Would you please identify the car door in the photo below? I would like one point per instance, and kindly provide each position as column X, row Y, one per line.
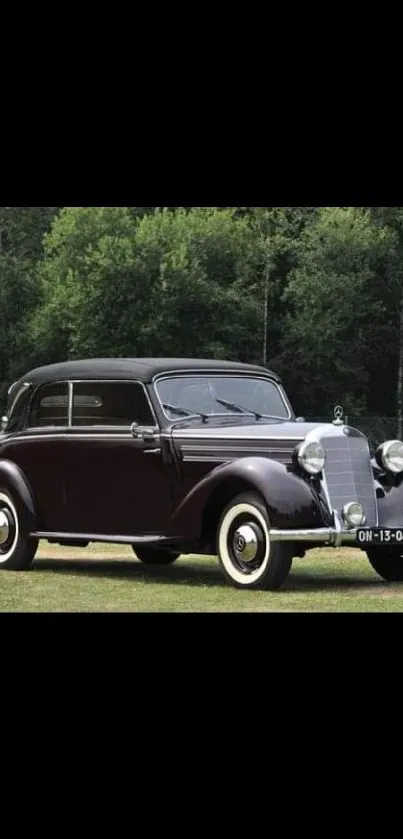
column 115, row 483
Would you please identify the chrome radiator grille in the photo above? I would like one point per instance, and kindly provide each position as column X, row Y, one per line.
column 348, row 473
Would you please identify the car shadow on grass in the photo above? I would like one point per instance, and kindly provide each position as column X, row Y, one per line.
column 128, row 569
column 186, row 572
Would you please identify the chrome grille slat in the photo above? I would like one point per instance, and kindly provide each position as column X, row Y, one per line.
column 348, row 473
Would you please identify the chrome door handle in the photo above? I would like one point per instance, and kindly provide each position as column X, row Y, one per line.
column 148, row 435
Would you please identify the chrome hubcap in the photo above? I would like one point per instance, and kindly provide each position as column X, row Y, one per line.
column 4, row 528
column 245, row 543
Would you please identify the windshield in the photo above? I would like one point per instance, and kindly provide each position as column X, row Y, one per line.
column 212, row 395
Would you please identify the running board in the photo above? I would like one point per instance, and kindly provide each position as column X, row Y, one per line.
column 104, row 537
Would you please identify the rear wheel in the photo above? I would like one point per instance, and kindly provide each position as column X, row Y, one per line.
column 247, row 556
column 16, row 549
column 388, row 565
column 152, row 556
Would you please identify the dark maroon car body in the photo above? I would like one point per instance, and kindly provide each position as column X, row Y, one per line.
column 148, row 475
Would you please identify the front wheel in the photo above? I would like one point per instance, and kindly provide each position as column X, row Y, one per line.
column 247, row 556
column 16, row 549
column 152, row 556
column 388, row 565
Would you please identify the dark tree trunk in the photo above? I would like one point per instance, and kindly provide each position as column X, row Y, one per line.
column 265, row 314
column 399, row 395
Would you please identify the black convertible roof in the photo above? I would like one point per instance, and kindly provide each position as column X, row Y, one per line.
column 143, row 369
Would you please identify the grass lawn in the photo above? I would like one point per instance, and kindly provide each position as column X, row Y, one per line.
column 105, row 578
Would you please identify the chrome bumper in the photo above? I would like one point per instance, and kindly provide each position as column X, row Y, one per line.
column 334, row 536
column 328, row 535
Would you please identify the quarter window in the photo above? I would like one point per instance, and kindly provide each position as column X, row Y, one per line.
column 50, row 406
column 110, row 403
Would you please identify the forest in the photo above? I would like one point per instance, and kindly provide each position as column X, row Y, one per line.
column 314, row 293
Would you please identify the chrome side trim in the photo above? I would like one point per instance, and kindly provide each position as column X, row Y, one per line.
column 124, row 432
column 191, row 434
column 65, row 434
column 189, row 449
column 222, row 458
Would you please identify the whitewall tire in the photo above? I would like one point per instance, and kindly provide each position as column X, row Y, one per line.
column 247, row 556
column 16, row 550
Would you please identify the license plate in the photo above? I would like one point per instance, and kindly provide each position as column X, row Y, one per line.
column 380, row 536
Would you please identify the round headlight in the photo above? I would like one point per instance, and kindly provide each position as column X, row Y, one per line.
column 390, row 456
column 311, row 457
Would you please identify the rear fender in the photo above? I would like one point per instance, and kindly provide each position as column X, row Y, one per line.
column 14, row 483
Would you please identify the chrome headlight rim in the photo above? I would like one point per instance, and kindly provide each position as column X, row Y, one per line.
column 311, row 457
column 387, row 458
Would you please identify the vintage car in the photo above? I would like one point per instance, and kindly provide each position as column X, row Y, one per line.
column 180, row 456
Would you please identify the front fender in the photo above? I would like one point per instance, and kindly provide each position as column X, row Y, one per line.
column 290, row 501
column 13, row 482
column 390, row 508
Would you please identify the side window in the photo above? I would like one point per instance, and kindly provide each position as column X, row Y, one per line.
column 110, row 403
column 50, row 406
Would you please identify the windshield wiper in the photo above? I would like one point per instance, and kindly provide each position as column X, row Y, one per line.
column 183, row 412
column 238, row 408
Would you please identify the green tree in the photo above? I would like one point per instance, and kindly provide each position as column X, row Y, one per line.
column 202, row 265
column 21, row 235
column 334, row 328
column 277, row 231
column 172, row 282
column 22, row 230
column 88, row 260
column 390, row 289
column 18, row 297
